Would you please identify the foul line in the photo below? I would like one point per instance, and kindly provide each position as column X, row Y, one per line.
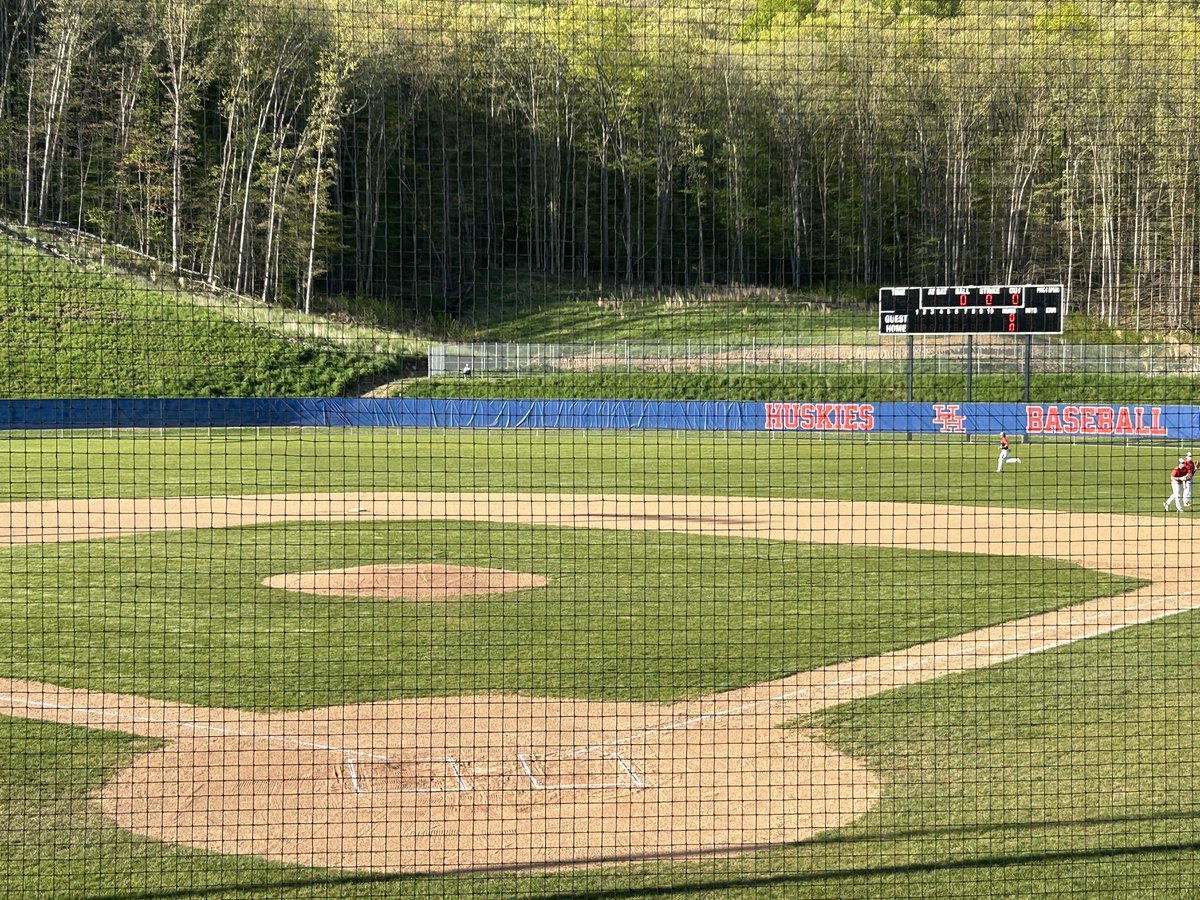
column 864, row 677
column 111, row 714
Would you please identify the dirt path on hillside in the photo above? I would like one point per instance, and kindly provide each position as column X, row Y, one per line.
column 463, row 783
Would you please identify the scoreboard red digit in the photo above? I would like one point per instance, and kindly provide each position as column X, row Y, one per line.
column 973, row 309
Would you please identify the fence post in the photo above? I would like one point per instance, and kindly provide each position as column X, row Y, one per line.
column 909, row 436
column 970, row 363
column 1028, row 364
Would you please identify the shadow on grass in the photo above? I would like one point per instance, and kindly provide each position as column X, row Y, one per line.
column 748, row 881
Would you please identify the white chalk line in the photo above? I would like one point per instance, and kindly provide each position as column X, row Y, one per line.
column 978, row 649
column 730, row 712
column 118, row 716
column 458, row 782
column 635, row 781
column 450, row 762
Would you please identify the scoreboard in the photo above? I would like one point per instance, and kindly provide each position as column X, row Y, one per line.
column 974, row 309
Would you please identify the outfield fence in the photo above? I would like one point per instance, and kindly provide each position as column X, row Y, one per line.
column 1136, row 422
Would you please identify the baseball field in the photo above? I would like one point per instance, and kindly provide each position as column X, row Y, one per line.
column 345, row 663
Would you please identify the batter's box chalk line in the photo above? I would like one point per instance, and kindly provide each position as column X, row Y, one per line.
column 548, row 773
column 539, row 772
column 439, row 775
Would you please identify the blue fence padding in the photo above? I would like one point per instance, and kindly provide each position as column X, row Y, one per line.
column 1099, row 420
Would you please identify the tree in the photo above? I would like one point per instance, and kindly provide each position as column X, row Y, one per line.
column 183, row 29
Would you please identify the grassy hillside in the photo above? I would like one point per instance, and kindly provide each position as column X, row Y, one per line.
column 78, row 320
column 67, row 331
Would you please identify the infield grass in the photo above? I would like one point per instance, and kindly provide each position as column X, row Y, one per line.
column 1069, row 773
column 625, row 615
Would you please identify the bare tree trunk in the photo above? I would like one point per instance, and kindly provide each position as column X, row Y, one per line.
column 239, row 279
column 181, row 24
column 22, row 19
column 27, row 186
column 67, row 28
column 313, row 221
column 737, row 214
column 270, row 255
column 226, row 176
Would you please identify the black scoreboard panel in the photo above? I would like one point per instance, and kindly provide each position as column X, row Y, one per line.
column 973, row 309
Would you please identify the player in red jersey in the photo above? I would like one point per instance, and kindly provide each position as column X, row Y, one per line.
column 1178, row 479
column 1004, row 453
column 1190, row 465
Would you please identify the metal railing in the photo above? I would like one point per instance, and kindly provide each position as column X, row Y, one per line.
column 940, row 355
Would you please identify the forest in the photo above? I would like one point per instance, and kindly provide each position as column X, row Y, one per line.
column 424, row 151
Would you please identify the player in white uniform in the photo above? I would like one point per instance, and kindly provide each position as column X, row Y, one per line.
column 1004, row 453
column 1178, row 479
column 1190, row 465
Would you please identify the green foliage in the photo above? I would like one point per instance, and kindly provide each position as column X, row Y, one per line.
column 440, row 146
column 66, row 332
column 828, row 386
column 764, row 16
column 1065, row 21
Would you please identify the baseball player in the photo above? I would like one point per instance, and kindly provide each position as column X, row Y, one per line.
column 1004, row 453
column 1178, row 479
column 1190, row 465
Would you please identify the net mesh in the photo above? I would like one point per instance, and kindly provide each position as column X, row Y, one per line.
column 513, row 448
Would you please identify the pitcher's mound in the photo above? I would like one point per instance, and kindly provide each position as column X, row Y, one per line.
column 411, row 581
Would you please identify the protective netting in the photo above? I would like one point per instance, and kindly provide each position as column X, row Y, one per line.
column 598, row 448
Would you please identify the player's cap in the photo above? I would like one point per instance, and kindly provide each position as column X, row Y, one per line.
column 1189, row 454
column 1181, row 460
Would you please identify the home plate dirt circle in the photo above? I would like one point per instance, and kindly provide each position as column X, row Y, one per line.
column 476, row 782
column 410, row 581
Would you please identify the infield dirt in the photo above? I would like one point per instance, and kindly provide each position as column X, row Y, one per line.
column 464, row 783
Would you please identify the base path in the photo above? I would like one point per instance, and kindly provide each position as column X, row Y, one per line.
column 467, row 783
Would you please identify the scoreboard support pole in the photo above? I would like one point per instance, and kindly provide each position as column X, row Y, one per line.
column 910, row 368
column 970, row 363
column 910, row 376
column 1028, row 374
column 1028, row 365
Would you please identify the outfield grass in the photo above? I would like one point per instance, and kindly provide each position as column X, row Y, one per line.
column 1093, row 476
column 1069, row 772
